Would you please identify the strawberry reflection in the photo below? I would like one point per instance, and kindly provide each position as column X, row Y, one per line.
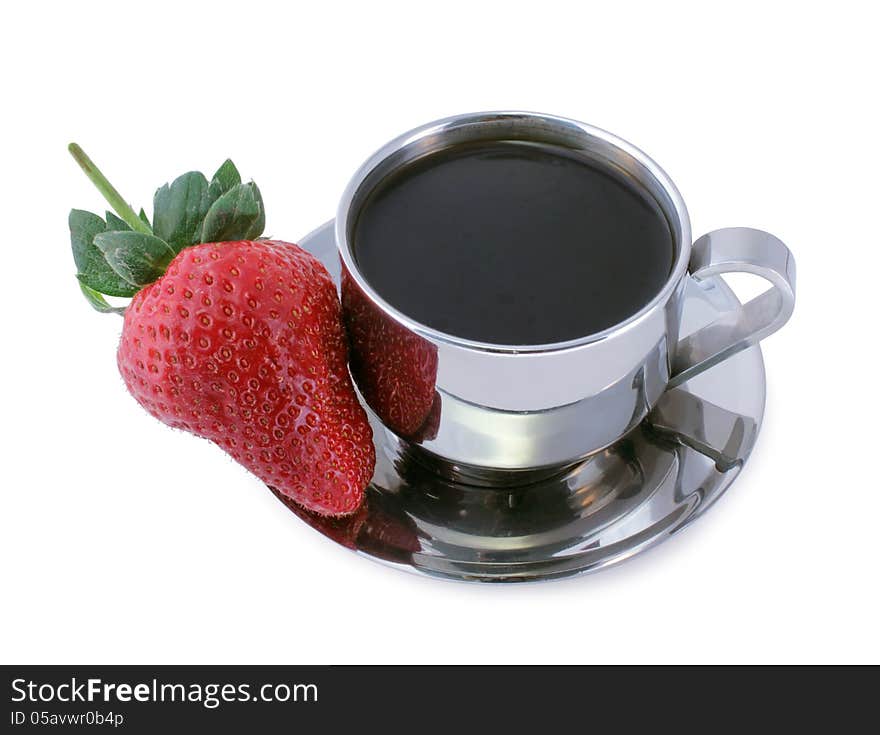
column 431, row 424
column 378, row 527
column 395, row 369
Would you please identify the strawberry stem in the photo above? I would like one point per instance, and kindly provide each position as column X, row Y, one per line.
column 113, row 197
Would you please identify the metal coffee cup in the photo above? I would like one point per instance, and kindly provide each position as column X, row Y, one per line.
column 478, row 408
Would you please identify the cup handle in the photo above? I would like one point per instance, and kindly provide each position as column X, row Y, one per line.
column 737, row 249
column 724, row 436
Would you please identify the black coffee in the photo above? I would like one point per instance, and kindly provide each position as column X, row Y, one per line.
column 512, row 243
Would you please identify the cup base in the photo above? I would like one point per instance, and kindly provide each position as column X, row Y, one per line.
column 487, row 477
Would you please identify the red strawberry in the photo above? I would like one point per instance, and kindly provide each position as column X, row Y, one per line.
column 239, row 341
column 395, row 369
column 242, row 343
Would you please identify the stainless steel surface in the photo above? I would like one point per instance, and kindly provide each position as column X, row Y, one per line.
column 494, row 413
column 621, row 501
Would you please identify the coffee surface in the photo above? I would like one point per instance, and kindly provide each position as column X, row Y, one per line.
column 512, row 243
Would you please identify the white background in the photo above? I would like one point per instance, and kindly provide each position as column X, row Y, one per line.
column 123, row 541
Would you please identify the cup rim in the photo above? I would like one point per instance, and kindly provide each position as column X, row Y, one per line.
column 443, row 127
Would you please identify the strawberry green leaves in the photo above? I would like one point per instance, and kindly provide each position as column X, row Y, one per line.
column 236, row 215
column 137, row 258
column 114, row 223
column 93, row 271
column 191, row 210
column 179, row 208
column 113, row 260
column 122, row 254
column 236, row 211
column 226, row 178
column 98, row 302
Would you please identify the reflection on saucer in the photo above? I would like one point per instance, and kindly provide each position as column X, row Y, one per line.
column 376, row 528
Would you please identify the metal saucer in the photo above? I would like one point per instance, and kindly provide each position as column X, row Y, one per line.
column 619, row 502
